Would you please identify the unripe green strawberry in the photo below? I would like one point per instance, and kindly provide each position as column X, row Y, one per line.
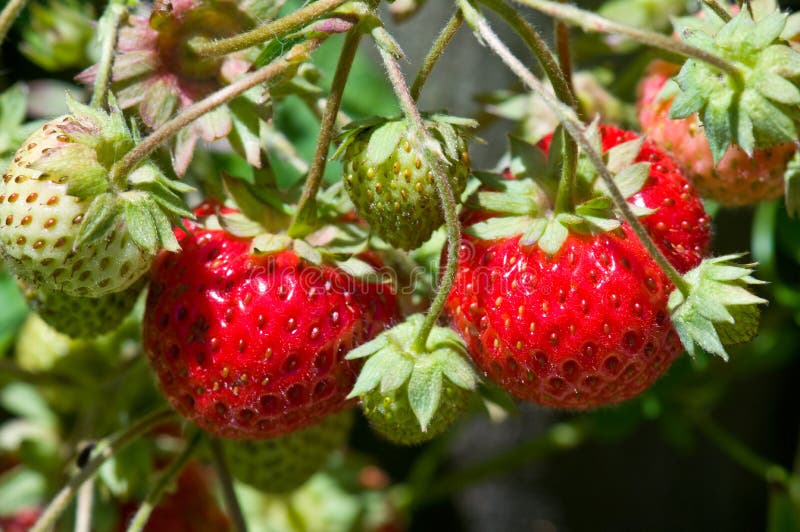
column 283, row 464
column 390, row 414
column 411, row 388
column 390, row 184
column 68, row 224
column 81, row 317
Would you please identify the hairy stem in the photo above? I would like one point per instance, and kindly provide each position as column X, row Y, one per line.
column 305, row 219
column 563, row 48
column 560, row 437
column 595, row 23
column 112, row 18
column 437, row 50
column 104, row 450
column 422, row 138
column 575, row 128
column 84, row 508
column 211, row 102
column 9, row 15
column 142, row 515
column 718, row 9
column 271, row 30
column 741, row 454
column 224, row 476
column 562, row 87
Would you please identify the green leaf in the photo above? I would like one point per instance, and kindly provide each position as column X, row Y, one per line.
column 384, row 140
column 275, row 48
column 425, row 391
column 24, row 401
column 21, row 488
column 100, row 218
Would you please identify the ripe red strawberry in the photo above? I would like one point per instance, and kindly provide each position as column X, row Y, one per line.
column 22, row 521
column 587, row 324
column 738, row 179
column 253, row 346
column 679, row 225
column 190, row 508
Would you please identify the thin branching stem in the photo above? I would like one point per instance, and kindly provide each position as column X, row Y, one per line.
column 305, row 219
column 104, row 450
column 422, row 138
column 211, row 102
column 8, row 15
column 575, row 128
column 719, row 9
column 437, row 50
column 113, row 17
column 142, row 515
column 267, row 32
column 226, row 482
column 595, row 23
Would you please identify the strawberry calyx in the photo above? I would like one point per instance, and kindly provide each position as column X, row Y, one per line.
column 759, row 109
column 394, row 361
column 388, row 132
column 718, row 309
column 146, row 199
column 526, row 205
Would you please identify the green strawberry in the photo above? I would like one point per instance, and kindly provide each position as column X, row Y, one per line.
column 283, row 464
column 81, row 317
column 409, row 393
column 391, row 186
column 68, row 223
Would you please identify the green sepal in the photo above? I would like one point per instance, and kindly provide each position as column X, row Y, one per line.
column 266, row 243
column 384, row 140
column 393, row 362
column 100, row 218
column 718, row 295
column 140, row 221
column 756, row 110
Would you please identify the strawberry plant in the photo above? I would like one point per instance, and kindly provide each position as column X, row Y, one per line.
column 248, row 284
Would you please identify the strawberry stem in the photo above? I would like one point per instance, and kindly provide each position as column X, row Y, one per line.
column 9, row 15
column 741, row 454
column 718, row 9
column 276, row 29
column 442, row 41
column 166, row 479
column 563, row 49
column 562, row 87
column 305, row 220
column 120, row 170
column 112, row 18
column 104, row 450
column 595, row 23
column 575, row 128
column 225, row 480
column 423, row 139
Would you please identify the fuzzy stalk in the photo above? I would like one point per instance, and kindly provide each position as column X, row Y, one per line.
column 423, row 139
column 113, row 17
column 305, row 220
column 559, row 438
column 719, row 9
column 142, row 515
column 104, row 450
column 171, row 128
column 741, row 454
column 437, row 50
column 563, row 48
column 84, row 508
column 225, row 480
column 9, row 14
column 562, row 87
column 575, row 128
column 595, row 23
column 271, row 30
